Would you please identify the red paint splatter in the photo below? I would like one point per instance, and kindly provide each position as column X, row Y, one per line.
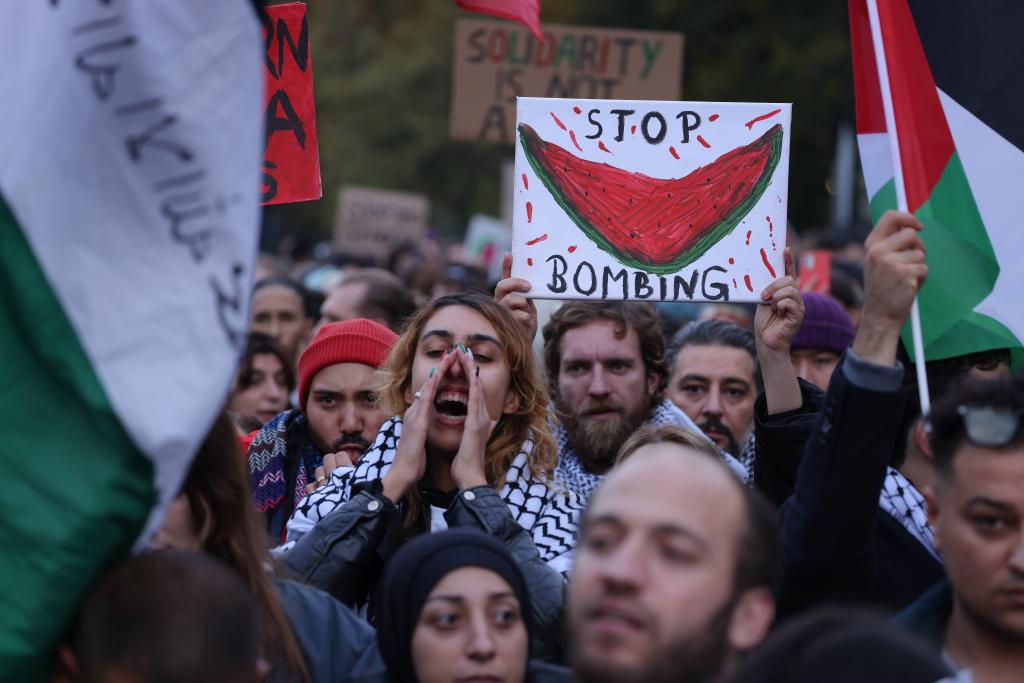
column 572, row 248
column 529, row 261
column 537, row 239
column 572, row 136
column 732, row 261
column 746, row 281
column 734, row 283
column 560, row 124
column 750, row 124
column 701, row 140
column 600, row 146
column 764, row 257
column 632, row 129
column 529, row 212
column 713, row 117
column 577, row 110
column 526, row 183
column 748, row 237
column 673, row 152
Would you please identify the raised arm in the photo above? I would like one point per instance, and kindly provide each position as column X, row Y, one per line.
column 776, row 323
column 829, row 523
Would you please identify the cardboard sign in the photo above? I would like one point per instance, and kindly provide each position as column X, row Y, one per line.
column 664, row 201
column 496, row 62
column 371, row 222
column 291, row 161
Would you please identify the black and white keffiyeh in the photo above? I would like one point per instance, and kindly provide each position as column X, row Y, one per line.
column 904, row 502
column 574, row 475
column 547, row 511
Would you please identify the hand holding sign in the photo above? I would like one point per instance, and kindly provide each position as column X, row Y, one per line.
column 511, row 292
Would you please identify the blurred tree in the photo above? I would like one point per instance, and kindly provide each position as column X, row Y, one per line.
column 382, row 72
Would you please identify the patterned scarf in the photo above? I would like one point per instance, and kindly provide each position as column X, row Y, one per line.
column 571, row 471
column 546, row 511
column 268, row 454
column 907, row 506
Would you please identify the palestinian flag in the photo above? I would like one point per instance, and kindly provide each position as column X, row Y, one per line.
column 953, row 73
column 130, row 143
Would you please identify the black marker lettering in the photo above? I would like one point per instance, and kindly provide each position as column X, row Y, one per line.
column 595, row 123
column 557, row 284
column 663, row 127
column 687, row 117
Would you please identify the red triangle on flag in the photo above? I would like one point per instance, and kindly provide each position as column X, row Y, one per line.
column 925, row 142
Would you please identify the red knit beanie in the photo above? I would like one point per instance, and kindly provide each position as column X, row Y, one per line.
column 351, row 341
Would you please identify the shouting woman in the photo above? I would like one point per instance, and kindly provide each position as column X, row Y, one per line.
column 469, row 447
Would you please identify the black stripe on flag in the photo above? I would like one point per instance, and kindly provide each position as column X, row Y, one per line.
column 976, row 53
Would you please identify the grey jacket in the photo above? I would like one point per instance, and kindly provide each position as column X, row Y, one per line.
column 344, row 554
column 337, row 644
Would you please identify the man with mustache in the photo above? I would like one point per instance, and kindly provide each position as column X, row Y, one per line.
column 976, row 508
column 675, row 566
column 714, row 380
column 337, row 419
column 606, row 364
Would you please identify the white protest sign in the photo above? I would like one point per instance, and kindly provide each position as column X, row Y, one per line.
column 663, row 201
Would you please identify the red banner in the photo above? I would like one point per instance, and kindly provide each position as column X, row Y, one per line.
column 291, row 161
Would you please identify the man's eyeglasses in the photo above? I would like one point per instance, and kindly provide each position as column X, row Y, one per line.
column 990, row 427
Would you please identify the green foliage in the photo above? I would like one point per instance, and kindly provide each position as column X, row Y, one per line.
column 382, row 74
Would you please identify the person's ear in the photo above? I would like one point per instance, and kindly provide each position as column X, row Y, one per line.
column 921, row 439
column 751, row 619
column 203, row 534
column 931, row 500
column 262, row 670
column 65, row 666
column 653, row 379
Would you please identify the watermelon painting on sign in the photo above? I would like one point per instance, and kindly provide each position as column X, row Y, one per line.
column 660, row 201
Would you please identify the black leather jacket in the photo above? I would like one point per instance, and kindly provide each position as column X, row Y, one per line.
column 345, row 552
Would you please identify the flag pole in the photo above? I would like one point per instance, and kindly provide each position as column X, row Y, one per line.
column 901, row 194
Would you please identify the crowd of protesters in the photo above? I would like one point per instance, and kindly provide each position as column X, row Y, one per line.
column 418, row 477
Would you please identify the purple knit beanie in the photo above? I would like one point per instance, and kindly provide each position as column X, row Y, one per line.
column 826, row 324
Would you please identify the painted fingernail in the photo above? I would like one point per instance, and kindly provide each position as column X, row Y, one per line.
column 432, row 371
column 462, row 347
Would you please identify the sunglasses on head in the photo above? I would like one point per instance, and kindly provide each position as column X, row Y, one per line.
column 990, row 427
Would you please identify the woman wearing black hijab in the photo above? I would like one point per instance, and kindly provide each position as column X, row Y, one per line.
column 454, row 608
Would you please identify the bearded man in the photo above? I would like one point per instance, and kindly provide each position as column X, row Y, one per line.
column 606, row 364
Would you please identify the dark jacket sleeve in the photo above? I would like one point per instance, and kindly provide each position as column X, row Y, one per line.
column 482, row 508
column 780, row 441
column 829, row 522
column 337, row 645
column 340, row 553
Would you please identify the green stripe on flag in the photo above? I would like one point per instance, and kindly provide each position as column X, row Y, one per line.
column 959, row 254
column 962, row 269
column 884, row 200
column 77, row 492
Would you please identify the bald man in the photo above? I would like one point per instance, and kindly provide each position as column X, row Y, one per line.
column 674, row 568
